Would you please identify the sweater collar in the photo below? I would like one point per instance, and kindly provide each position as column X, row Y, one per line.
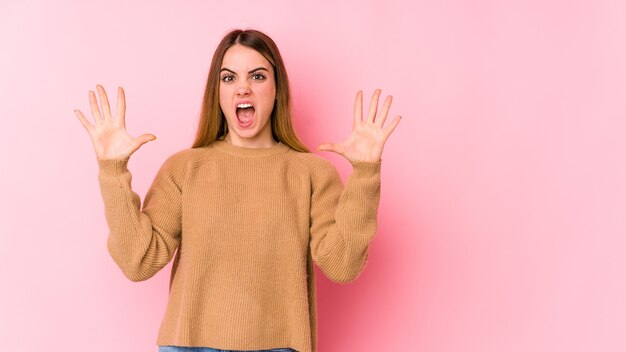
column 250, row 152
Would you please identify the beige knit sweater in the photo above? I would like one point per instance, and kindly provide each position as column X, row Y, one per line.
column 248, row 224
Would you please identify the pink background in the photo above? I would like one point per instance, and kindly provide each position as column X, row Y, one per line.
column 503, row 209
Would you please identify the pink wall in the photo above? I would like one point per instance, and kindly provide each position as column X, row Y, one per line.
column 502, row 220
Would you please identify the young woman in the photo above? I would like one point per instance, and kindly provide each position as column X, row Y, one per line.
column 248, row 209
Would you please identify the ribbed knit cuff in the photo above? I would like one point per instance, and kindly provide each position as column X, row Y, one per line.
column 365, row 168
column 113, row 167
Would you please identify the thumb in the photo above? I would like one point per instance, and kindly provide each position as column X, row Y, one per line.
column 331, row 147
column 144, row 138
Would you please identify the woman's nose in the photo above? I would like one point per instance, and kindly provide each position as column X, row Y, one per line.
column 243, row 87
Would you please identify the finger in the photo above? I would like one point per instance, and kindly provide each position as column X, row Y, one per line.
column 358, row 108
column 392, row 126
column 95, row 109
column 104, row 102
column 83, row 120
column 373, row 106
column 383, row 113
column 121, row 106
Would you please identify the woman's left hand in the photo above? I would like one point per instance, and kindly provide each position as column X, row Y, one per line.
column 368, row 137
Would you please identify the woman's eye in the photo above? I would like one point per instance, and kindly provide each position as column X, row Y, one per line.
column 258, row 77
column 228, row 78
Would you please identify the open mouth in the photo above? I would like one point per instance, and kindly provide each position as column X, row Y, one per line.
column 245, row 114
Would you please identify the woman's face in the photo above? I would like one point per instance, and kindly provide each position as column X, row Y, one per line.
column 247, row 94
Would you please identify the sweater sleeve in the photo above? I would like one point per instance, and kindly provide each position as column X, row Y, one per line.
column 343, row 219
column 141, row 242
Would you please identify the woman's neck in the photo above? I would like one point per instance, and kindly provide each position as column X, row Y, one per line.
column 240, row 142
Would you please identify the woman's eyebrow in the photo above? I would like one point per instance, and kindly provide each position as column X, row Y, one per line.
column 259, row 69
column 256, row 69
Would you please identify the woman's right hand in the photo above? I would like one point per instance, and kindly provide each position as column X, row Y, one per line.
column 109, row 136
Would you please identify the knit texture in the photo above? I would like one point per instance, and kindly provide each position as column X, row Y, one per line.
column 244, row 226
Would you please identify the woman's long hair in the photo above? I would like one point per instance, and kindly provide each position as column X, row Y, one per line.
column 212, row 125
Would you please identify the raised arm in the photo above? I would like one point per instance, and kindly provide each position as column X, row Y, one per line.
column 140, row 242
column 343, row 220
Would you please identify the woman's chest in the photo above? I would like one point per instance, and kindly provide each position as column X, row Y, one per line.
column 228, row 203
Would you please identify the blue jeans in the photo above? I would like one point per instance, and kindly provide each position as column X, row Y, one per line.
column 208, row 349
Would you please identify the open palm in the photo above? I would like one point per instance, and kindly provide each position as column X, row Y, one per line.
column 109, row 136
column 367, row 140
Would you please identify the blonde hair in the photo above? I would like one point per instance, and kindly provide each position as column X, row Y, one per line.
column 212, row 125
